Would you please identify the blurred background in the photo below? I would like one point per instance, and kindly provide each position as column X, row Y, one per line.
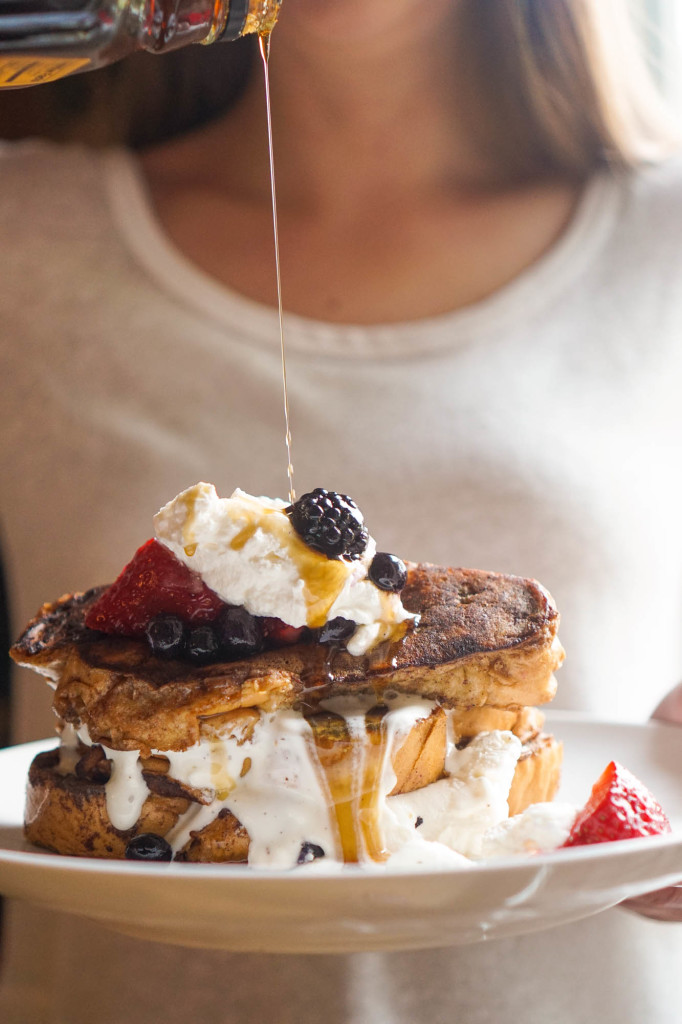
column 660, row 23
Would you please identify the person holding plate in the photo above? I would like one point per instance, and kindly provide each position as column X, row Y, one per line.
column 478, row 213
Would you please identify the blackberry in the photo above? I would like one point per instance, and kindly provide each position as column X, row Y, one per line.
column 166, row 635
column 309, row 852
column 329, row 522
column 203, row 644
column 240, row 634
column 148, row 846
column 387, row 572
column 336, row 630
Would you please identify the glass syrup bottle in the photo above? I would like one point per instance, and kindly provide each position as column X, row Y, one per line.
column 42, row 40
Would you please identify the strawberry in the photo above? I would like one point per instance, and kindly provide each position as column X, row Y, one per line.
column 619, row 807
column 154, row 582
column 281, row 634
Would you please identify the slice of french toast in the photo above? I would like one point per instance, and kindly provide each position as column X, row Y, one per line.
column 483, row 638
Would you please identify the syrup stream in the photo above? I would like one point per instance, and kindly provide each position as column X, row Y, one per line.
column 264, row 47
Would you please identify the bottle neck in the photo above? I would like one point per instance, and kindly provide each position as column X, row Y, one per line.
column 236, row 15
column 42, row 40
column 169, row 24
column 238, row 18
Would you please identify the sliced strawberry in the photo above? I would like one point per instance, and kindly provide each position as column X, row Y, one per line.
column 281, row 634
column 619, row 807
column 154, row 582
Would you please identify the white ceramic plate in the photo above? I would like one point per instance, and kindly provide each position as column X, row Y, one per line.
column 237, row 909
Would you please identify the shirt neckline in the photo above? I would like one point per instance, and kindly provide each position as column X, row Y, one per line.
column 527, row 294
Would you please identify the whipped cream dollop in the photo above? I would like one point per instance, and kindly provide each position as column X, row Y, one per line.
column 246, row 550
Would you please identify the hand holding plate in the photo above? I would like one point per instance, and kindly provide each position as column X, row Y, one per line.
column 664, row 904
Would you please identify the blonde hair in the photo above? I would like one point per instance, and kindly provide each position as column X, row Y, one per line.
column 561, row 88
column 564, row 87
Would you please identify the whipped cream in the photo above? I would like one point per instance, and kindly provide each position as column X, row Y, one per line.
column 246, row 550
column 538, row 829
column 271, row 778
column 457, row 811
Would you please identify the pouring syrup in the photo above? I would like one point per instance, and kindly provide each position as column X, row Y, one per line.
column 264, row 47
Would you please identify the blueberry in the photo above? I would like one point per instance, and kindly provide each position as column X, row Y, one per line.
column 309, row 852
column 148, row 846
column 388, row 572
column 329, row 522
column 336, row 631
column 203, row 644
column 166, row 635
column 240, row 634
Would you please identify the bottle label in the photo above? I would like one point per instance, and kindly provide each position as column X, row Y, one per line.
column 16, row 71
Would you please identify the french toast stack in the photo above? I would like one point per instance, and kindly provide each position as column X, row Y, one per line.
column 484, row 652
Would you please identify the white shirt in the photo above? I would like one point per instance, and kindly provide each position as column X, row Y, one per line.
column 538, row 432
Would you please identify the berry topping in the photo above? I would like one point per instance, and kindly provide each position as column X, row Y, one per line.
column 239, row 633
column 281, row 634
column 387, row 572
column 154, row 583
column 166, row 636
column 336, row 631
column 329, row 522
column 309, row 852
column 148, row 846
column 203, row 644
column 619, row 807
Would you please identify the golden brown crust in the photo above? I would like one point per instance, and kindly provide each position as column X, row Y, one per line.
column 222, row 841
column 68, row 814
column 483, row 639
column 537, row 775
column 420, row 759
column 525, row 723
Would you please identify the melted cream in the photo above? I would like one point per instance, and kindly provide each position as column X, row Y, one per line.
column 126, row 790
column 289, row 782
column 456, row 811
column 541, row 827
column 279, row 800
column 69, row 755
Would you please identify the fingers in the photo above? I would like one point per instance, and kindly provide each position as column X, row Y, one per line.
column 662, row 905
column 670, row 708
